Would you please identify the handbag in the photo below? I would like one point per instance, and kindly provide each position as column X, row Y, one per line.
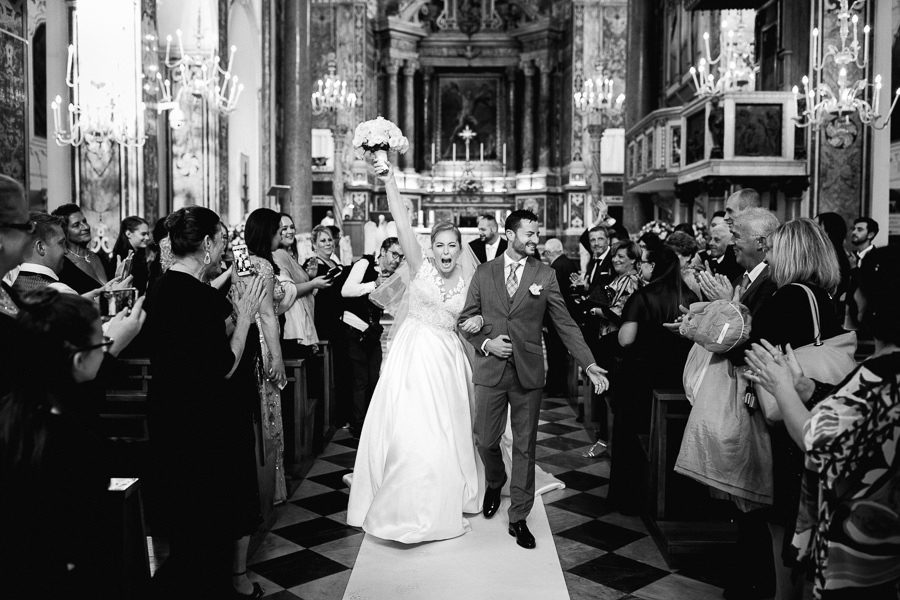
column 826, row 361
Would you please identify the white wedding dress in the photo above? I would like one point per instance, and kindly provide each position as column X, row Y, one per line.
column 415, row 472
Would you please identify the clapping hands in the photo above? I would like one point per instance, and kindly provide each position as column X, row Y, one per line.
column 250, row 292
column 716, row 287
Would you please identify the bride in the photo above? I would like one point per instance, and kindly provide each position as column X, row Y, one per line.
column 416, row 471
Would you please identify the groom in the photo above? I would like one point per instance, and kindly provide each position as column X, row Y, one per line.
column 512, row 293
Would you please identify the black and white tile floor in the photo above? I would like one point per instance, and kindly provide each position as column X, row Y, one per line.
column 604, row 555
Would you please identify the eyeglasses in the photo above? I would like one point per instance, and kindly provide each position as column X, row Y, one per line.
column 396, row 255
column 107, row 341
column 28, row 227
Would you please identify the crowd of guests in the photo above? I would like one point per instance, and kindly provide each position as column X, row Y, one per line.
column 218, row 339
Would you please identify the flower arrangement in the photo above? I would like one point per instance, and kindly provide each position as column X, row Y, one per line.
column 378, row 136
column 660, row 228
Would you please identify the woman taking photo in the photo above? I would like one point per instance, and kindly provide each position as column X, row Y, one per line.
column 201, row 423
column 849, row 434
column 653, row 357
column 131, row 249
column 52, row 478
column 83, row 270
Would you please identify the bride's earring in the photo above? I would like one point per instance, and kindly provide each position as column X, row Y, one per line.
column 207, row 259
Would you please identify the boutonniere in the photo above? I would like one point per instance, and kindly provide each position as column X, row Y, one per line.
column 535, row 289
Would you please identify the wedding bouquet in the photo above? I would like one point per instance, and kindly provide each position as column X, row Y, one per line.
column 660, row 228
column 378, row 136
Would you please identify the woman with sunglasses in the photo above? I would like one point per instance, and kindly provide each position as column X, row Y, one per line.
column 52, row 475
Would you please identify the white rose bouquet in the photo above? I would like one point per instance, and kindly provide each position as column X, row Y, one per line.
column 378, row 136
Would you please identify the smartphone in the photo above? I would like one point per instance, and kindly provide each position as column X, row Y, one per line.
column 242, row 264
column 332, row 273
column 113, row 301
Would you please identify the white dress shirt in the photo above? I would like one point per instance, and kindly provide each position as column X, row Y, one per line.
column 354, row 288
column 490, row 250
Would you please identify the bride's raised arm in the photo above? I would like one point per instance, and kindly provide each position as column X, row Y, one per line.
column 400, row 213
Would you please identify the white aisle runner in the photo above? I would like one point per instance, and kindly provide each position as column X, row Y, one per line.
column 485, row 563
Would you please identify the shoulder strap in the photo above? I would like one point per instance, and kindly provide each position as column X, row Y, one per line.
column 814, row 310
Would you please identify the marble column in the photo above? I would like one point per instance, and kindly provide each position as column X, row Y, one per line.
column 510, row 136
column 391, row 68
column 409, row 114
column 544, row 120
column 297, row 112
column 427, row 137
column 595, row 131
column 528, row 116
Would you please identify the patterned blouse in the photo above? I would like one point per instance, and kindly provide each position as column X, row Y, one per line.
column 851, row 441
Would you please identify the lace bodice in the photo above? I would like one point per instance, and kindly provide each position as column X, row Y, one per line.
column 430, row 303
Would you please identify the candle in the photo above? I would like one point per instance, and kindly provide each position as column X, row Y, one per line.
column 877, row 93
column 467, row 152
column 432, row 153
column 694, row 77
column 481, row 151
column 706, row 42
column 454, row 152
column 69, row 63
column 431, row 217
column 866, row 44
column 504, row 156
column 421, row 218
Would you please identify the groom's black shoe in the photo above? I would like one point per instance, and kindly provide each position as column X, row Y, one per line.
column 519, row 530
column 492, row 500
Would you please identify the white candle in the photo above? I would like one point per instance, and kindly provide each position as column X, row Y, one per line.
column 421, row 218
column 454, row 151
column 481, row 151
column 706, row 42
column 467, row 152
column 69, row 64
column 431, row 217
column 432, row 152
column 504, row 156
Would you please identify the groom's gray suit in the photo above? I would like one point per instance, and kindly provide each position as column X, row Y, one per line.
column 517, row 380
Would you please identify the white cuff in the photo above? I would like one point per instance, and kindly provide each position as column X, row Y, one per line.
column 483, row 351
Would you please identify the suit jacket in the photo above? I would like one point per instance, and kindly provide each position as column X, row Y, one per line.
column 521, row 319
column 756, row 295
column 564, row 267
column 480, row 252
column 602, row 275
column 728, row 267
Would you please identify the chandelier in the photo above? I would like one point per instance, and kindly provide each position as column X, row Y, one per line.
column 331, row 93
column 201, row 75
column 735, row 69
column 100, row 111
column 824, row 104
column 596, row 95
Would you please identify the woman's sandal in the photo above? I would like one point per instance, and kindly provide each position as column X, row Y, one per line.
column 254, row 595
column 598, row 450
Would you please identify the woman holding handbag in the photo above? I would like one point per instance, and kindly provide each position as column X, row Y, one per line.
column 850, row 439
column 799, row 253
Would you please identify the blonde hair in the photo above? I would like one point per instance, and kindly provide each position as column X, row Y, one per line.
column 802, row 253
column 445, row 226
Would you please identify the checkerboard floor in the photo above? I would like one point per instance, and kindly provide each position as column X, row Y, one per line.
column 604, row 555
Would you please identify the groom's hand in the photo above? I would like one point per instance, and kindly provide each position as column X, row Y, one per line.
column 500, row 346
column 596, row 374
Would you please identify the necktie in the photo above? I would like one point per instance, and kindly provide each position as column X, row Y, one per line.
column 512, row 282
column 745, row 283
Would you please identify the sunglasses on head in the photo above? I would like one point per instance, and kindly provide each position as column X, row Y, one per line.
column 28, row 227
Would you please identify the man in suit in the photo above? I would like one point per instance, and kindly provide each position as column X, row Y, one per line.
column 490, row 243
column 753, row 288
column 599, row 271
column 511, row 294
column 556, row 350
column 720, row 253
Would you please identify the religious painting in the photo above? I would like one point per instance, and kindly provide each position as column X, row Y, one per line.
column 675, row 147
column 537, row 205
column 13, row 92
column 695, row 143
column 757, row 129
column 468, row 101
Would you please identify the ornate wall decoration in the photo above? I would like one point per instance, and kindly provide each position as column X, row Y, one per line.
column 13, row 92
column 220, row 150
column 576, row 210
column 150, row 65
column 577, row 78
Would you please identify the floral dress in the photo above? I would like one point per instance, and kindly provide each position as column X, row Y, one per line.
column 851, row 441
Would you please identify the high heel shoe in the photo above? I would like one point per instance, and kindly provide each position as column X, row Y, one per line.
column 597, row 450
column 254, row 595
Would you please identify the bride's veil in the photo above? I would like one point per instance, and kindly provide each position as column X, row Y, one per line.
column 393, row 295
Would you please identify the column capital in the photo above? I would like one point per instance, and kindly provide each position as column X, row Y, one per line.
column 410, row 67
column 544, row 64
column 595, row 130
column 527, row 68
column 392, row 65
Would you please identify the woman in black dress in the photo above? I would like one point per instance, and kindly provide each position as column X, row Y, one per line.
column 653, row 357
column 52, row 477
column 201, row 419
column 800, row 252
column 83, row 270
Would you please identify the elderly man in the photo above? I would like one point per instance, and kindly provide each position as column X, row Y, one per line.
column 721, row 253
column 555, row 255
column 43, row 261
column 740, row 201
column 362, row 326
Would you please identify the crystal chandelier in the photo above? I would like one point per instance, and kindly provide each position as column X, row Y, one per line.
column 735, row 67
column 100, row 111
column 331, row 93
column 201, row 75
column 596, row 94
column 824, row 104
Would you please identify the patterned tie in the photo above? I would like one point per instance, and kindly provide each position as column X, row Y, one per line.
column 512, row 282
column 745, row 283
